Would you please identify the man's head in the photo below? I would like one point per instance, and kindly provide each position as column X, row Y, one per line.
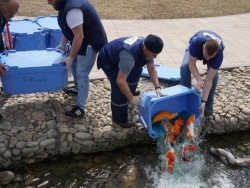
column 8, row 8
column 210, row 49
column 153, row 45
column 57, row 4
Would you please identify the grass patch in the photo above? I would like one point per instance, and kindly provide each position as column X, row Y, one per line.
column 147, row 9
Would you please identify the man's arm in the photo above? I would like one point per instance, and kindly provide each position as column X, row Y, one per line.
column 121, row 81
column 2, row 69
column 76, row 44
column 64, row 40
column 208, row 83
column 75, row 22
column 193, row 68
column 153, row 74
column 77, row 41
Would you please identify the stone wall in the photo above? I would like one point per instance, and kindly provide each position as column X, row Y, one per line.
column 232, row 102
column 36, row 128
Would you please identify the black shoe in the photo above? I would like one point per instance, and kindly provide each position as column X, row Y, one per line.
column 208, row 113
column 71, row 90
column 76, row 112
column 137, row 93
column 126, row 125
column 1, row 117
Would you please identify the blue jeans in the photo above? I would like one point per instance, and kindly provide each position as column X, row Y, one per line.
column 81, row 68
column 186, row 81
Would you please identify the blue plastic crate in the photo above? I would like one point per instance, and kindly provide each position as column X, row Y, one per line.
column 27, row 35
column 50, row 25
column 34, row 71
column 180, row 99
column 164, row 73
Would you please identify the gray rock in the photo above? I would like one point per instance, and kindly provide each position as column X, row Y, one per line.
column 6, row 177
column 47, row 142
column 246, row 111
column 20, row 145
column 83, row 136
column 25, row 135
column 97, row 133
column 40, row 116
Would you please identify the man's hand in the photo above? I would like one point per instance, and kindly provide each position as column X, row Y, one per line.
column 202, row 108
column 68, row 61
column 135, row 101
column 2, row 69
column 62, row 48
column 160, row 93
column 199, row 85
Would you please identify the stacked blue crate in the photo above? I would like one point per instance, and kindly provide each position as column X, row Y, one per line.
column 50, row 25
column 164, row 73
column 27, row 35
column 33, row 71
column 180, row 99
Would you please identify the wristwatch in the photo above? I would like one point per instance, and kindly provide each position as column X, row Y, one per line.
column 203, row 101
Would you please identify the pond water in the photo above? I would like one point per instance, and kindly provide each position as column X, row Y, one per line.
column 141, row 166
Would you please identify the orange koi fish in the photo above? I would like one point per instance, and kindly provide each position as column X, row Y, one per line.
column 175, row 130
column 170, row 160
column 190, row 126
column 186, row 150
column 163, row 115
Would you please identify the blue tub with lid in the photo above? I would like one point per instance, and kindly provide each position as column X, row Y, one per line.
column 51, row 27
column 33, row 71
column 27, row 35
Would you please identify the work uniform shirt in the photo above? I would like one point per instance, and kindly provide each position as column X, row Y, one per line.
column 124, row 53
column 94, row 33
column 196, row 47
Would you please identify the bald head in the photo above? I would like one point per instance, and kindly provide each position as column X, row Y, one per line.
column 8, row 8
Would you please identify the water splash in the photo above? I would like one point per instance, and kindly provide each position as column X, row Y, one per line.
column 220, row 180
column 194, row 174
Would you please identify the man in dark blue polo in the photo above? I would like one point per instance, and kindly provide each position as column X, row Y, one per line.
column 122, row 61
column 206, row 46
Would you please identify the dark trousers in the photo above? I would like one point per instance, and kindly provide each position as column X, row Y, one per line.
column 119, row 102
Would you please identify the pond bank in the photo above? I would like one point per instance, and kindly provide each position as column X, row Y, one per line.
column 35, row 127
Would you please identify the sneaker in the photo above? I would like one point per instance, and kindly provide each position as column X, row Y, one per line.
column 123, row 124
column 137, row 93
column 71, row 90
column 1, row 117
column 76, row 112
column 126, row 125
column 208, row 113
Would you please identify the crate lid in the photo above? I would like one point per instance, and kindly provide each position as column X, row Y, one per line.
column 33, row 58
column 164, row 73
column 48, row 22
column 25, row 26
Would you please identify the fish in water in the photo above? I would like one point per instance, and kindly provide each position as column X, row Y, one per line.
column 173, row 123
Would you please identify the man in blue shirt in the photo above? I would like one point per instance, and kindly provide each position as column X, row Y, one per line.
column 206, row 46
column 122, row 61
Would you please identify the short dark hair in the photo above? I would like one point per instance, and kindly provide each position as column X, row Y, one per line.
column 212, row 46
column 153, row 43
